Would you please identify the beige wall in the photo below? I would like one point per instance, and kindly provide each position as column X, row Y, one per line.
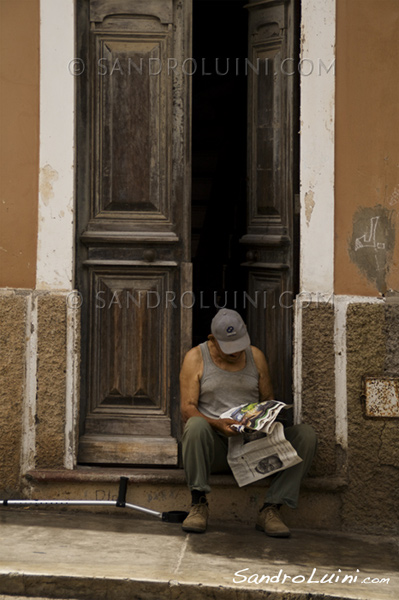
column 367, row 145
column 19, row 146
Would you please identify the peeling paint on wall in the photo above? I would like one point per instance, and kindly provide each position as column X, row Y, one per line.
column 372, row 243
column 47, row 177
column 394, row 199
column 309, row 205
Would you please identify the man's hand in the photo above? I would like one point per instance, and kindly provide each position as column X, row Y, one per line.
column 224, row 426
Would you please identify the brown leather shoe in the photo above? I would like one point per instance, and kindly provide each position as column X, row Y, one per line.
column 197, row 518
column 270, row 522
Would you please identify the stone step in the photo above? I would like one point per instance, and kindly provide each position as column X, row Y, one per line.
column 165, row 489
column 4, row 597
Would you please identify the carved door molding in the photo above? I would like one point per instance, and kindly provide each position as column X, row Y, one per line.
column 133, row 239
column 272, row 148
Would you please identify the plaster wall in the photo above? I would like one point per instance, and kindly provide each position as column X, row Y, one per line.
column 12, row 378
column 55, row 242
column 318, row 369
column 19, row 148
column 365, row 462
column 39, row 354
column 372, row 496
column 367, row 148
column 51, row 382
column 317, row 82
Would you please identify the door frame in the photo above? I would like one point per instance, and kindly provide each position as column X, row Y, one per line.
column 57, row 30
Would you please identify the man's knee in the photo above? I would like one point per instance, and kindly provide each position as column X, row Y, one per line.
column 308, row 433
column 196, row 427
column 304, row 435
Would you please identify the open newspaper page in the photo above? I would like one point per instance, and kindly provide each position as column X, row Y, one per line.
column 262, row 449
column 255, row 416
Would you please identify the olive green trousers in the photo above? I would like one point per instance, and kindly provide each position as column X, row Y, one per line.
column 205, row 452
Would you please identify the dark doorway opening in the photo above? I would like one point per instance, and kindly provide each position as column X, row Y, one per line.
column 219, row 139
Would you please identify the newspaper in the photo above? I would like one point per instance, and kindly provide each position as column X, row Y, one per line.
column 262, row 449
column 255, row 416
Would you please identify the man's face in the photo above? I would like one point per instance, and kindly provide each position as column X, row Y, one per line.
column 230, row 358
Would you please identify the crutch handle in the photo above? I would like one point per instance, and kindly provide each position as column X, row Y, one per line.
column 121, row 501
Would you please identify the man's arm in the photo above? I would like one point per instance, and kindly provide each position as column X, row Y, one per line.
column 265, row 383
column 190, row 377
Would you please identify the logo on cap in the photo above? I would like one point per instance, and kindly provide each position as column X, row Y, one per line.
column 230, row 330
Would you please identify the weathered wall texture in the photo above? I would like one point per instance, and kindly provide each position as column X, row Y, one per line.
column 318, row 382
column 19, row 149
column 371, row 499
column 33, row 413
column 51, row 381
column 392, row 334
column 12, row 383
column 368, row 476
column 367, row 147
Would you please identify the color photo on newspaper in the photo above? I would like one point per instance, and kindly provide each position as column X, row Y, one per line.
column 255, row 416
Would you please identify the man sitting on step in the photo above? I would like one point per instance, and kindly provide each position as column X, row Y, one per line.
column 221, row 373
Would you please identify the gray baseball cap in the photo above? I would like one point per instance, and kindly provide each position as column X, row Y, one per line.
column 230, row 331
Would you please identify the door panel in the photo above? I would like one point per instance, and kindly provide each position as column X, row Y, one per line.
column 270, row 224
column 133, row 224
column 130, row 329
column 132, row 172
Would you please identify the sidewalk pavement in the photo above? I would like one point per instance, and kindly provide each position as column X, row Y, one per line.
column 123, row 556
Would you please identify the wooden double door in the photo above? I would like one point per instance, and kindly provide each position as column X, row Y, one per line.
column 136, row 223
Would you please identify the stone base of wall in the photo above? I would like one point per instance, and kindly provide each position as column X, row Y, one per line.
column 39, row 384
column 13, row 336
column 364, row 450
column 372, row 498
column 339, row 343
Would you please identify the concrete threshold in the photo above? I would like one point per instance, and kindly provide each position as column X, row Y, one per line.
column 123, row 556
column 166, row 489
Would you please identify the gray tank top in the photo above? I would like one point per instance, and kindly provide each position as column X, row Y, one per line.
column 221, row 390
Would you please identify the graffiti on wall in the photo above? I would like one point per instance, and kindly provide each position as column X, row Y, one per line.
column 372, row 243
